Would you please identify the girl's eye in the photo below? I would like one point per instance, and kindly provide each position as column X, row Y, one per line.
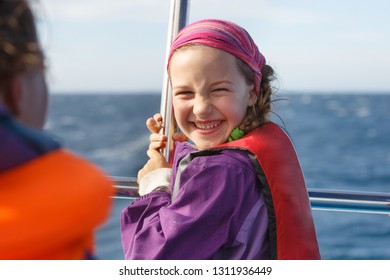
column 220, row 89
column 183, row 93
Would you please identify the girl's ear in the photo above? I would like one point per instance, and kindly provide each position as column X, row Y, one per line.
column 252, row 97
column 13, row 94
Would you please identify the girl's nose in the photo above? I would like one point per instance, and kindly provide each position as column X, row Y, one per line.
column 202, row 107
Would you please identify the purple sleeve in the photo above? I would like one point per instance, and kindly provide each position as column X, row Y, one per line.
column 214, row 199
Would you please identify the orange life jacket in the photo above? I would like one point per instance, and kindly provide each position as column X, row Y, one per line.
column 50, row 206
column 291, row 226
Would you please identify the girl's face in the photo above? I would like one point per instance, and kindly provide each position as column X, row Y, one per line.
column 210, row 94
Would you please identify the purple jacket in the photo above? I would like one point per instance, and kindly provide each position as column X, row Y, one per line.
column 217, row 213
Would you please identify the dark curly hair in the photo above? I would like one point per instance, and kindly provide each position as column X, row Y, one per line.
column 19, row 46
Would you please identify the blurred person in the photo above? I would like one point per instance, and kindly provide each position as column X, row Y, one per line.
column 51, row 200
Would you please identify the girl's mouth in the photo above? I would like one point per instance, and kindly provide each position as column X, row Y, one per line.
column 207, row 125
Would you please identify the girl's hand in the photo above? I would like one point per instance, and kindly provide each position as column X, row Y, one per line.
column 157, row 141
column 156, row 161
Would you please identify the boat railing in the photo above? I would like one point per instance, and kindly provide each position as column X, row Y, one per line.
column 320, row 199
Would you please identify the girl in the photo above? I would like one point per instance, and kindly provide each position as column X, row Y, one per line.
column 218, row 200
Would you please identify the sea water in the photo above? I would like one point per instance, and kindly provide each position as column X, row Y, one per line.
column 342, row 140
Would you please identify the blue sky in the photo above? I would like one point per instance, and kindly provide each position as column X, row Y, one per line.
column 314, row 46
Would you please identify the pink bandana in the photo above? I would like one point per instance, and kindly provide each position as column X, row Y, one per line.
column 224, row 35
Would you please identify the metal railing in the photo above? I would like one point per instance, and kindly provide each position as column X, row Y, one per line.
column 349, row 201
column 320, row 199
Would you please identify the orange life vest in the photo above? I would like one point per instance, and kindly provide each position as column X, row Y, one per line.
column 50, row 206
column 291, row 226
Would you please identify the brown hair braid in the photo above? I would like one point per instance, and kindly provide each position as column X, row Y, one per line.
column 259, row 112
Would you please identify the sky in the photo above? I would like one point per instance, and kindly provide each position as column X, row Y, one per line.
column 100, row 46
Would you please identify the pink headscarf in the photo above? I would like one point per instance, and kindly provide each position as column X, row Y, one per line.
column 223, row 35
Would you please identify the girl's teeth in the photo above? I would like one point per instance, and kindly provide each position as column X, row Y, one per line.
column 206, row 126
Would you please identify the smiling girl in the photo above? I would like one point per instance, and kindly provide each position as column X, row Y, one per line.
column 245, row 199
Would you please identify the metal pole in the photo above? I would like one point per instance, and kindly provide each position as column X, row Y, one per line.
column 320, row 199
column 177, row 20
column 350, row 201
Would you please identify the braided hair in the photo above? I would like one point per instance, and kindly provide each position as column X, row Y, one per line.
column 259, row 112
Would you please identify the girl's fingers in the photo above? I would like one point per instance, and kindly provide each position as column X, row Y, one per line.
column 154, row 124
column 157, row 145
column 157, row 118
column 154, row 137
column 157, row 141
column 152, row 153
